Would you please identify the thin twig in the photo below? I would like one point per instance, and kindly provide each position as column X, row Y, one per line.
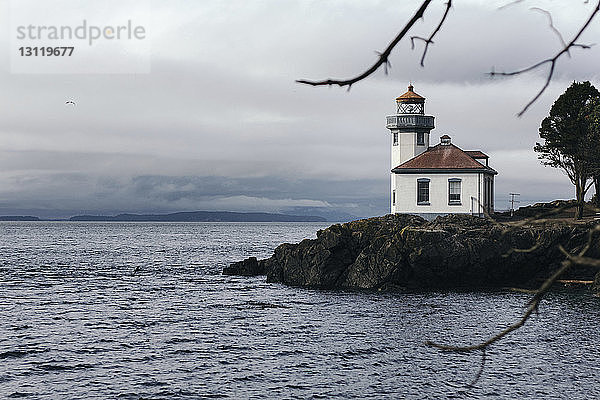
column 551, row 23
column 383, row 57
column 520, row 290
column 586, row 261
column 480, row 372
column 537, row 244
column 543, row 216
column 552, row 61
column 510, row 4
column 534, row 302
column 430, row 39
column 530, row 310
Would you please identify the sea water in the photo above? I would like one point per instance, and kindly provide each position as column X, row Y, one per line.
column 140, row 310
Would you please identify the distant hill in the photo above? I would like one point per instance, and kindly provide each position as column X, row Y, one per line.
column 329, row 213
column 201, row 216
column 18, row 218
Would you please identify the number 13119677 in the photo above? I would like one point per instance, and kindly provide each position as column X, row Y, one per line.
column 46, row 51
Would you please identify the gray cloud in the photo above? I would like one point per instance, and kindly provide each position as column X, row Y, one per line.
column 84, row 193
column 220, row 122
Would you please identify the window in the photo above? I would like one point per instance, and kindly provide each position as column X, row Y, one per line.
column 423, row 191
column 410, row 108
column 492, row 195
column 395, row 139
column 393, row 197
column 489, row 194
column 486, row 194
column 421, row 138
column 453, row 191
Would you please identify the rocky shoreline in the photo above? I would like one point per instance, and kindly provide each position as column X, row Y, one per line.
column 405, row 251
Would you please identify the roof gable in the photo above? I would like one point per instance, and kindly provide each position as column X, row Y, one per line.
column 443, row 157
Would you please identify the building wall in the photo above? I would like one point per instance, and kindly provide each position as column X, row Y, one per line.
column 407, row 147
column 473, row 187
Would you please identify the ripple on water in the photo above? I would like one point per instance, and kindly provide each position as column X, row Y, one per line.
column 130, row 311
column 20, row 395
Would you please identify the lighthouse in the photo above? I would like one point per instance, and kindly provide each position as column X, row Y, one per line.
column 434, row 180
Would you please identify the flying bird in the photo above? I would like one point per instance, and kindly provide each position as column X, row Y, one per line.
column 70, row 102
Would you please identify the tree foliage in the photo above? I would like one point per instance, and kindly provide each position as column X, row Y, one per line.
column 594, row 147
column 569, row 140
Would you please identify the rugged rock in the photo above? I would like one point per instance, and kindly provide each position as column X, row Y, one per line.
column 407, row 251
column 248, row 267
column 553, row 209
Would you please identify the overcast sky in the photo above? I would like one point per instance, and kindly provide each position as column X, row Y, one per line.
column 219, row 123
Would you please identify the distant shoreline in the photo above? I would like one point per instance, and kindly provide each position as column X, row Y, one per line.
column 194, row 216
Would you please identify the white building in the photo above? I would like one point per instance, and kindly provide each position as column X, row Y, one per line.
column 438, row 180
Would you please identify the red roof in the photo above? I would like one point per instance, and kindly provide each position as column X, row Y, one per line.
column 476, row 154
column 442, row 157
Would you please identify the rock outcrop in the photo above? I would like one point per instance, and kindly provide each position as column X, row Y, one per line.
column 405, row 251
column 247, row 267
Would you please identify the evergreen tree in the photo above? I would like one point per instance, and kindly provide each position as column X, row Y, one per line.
column 594, row 147
column 567, row 136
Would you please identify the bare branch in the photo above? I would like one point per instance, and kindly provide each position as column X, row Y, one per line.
column 579, row 258
column 383, row 57
column 534, row 302
column 533, row 305
column 542, row 217
column 551, row 23
column 587, row 261
column 510, row 4
column 520, row 290
column 430, row 39
column 552, row 61
column 533, row 248
column 481, row 367
column 588, row 186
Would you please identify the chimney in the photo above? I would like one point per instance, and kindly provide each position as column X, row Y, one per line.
column 445, row 140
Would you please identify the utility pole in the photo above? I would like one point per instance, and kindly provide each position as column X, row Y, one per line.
column 512, row 202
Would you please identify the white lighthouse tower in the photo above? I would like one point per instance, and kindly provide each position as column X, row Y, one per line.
column 410, row 129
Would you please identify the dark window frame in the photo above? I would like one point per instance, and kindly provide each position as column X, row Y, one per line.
column 420, row 138
column 452, row 199
column 423, row 191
